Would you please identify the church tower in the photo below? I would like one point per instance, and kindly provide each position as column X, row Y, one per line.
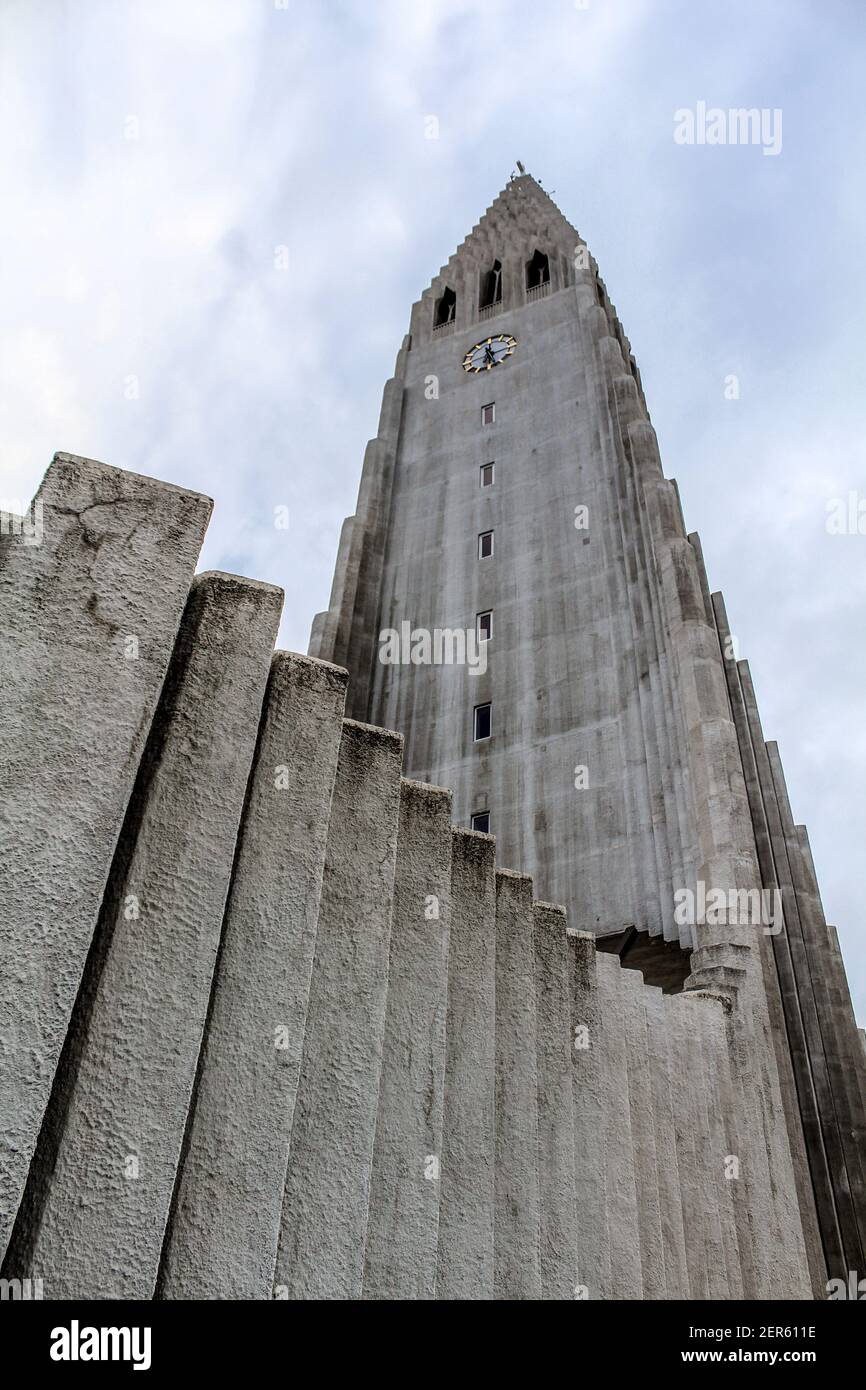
column 518, row 595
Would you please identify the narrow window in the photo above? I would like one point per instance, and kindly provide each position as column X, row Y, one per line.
column 484, row 626
column 488, row 413
column 487, row 475
column 446, row 308
column 491, row 286
column 482, row 722
column 481, row 821
column 485, row 545
column 537, row 271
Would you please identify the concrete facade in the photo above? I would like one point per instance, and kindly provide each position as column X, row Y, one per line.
column 624, row 765
column 273, row 1026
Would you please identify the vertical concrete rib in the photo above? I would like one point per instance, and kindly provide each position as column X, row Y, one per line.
column 402, row 1229
column 558, row 1244
column 517, row 1213
column 836, row 1053
column 100, row 1192
column 641, row 1111
column 687, row 1071
column 666, row 1095
column 89, row 617
column 467, row 1196
column 622, row 1209
column 241, row 1123
column 719, row 1147
column 324, row 1219
column 811, row 1173
column 589, row 1097
column 832, row 1199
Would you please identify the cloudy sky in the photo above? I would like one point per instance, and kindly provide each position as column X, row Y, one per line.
column 156, row 153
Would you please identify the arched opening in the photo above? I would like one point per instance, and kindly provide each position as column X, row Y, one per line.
column 491, row 286
column 537, row 271
column 446, row 308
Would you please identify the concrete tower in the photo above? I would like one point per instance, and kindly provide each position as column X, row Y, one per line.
column 611, row 743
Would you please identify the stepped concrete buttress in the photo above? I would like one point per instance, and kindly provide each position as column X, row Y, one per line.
column 273, row 1027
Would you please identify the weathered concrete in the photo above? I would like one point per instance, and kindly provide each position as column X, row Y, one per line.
column 402, row 1229
column 558, row 1238
column 517, row 1227
column 589, row 1096
column 376, row 1110
column 324, row 1220
column 467, row 1197
column 622, row 1208
column 93, row 1221
column 238, row 1139
column 646, row 1164
column 687, row 1079
column 89, row 617
column 666, row 1098
column 100, row 1189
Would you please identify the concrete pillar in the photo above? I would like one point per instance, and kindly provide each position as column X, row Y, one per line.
column 558, row 1245
column 589, row 1097
column 102, row 1184
column 712, row 1037
column 821, row 1132
column 622, row 1210
column 238, row 1138
column 834, row 1034
column 687, row 1080
column 646, row 1165
column 402, row 1230
column 89, row 617
column 324, row 1220
column 466, row 1204
column 795, row 1077
column 666, row 1095
column 518, row 1215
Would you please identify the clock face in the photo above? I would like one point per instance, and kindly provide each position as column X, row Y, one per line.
column 489, row 353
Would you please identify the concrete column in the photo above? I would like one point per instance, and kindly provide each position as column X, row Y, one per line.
column 646, row 1164
column 558, row 1245
column 518, row 1215
column 238, row 1137
column 687, row 1078
column 466, row 1204
column 721, row 1120
column 324, row 1220
column 710, row 1152
column 402, row 1230
column 795, row 1078
column 622, row 1210
column 102, row 1184
column 89, row 617
column 821, row 1132
column 590, row 1098
column 665, row 1097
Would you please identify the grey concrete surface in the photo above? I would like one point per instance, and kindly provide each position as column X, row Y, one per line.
column 558, row 1232
column 100, row 1191
column 237, row 1144
column 403, row 1223
column 589, row 1098
column 89, row 618
column 517, row 1224
column 466, row 1203
column 324, row 1219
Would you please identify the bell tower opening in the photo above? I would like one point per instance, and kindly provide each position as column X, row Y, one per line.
column 537, row 271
